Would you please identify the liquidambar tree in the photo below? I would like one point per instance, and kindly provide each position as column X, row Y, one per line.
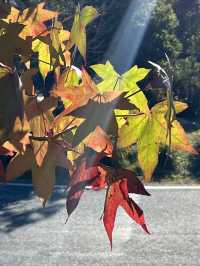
column 53, row 114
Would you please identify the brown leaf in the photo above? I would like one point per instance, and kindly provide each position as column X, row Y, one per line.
column 43, row 177
column 102, row 109
column 12, row 44
column 13, row 123
column 40, row 119
column 27, row 82
column 100, row 181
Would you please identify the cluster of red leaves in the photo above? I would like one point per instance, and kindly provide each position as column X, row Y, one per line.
column 92, row 168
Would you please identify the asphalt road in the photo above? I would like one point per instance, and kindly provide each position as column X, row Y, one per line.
column 30, row 235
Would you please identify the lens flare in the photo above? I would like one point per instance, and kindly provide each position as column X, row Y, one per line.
column 126, row 42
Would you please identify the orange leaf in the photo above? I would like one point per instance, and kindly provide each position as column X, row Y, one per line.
column 99, row 141
column 33, row 19
column 77, row 95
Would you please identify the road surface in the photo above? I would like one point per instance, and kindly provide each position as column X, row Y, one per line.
column 31, row 235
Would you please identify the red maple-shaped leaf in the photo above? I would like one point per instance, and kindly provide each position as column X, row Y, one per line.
column 117, row 195
column 84, row 175
column 100, row 181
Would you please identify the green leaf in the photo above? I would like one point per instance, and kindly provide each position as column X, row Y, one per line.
column 147, row 150
column 111, row 80
column 78, row 32
column 134, row 75
column 88, row 14
column 132, row 130
column 151, row 130
column 139, row 99
column 105, row 71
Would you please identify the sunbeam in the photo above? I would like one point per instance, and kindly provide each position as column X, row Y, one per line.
column 126, row 42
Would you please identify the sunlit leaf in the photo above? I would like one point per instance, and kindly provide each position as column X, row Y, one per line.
column 117, row 195
column 149, row 132
column 78, row 32
column 33, row 19
column 50, row 50
column 112, row 81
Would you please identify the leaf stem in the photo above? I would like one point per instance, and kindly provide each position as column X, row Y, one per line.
column 47, row 138
column 133, row 93
column 129, row 115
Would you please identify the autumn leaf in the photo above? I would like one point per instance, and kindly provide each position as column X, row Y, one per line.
column 85, row 174
column 33, row 19
column 111, row 80
column 51, row 48
column 12, row 118
column 27, row 81
column 99, row 141
column 88, row 170
column 17, row 46
column 148, row 149
column 102, row 109
column 57, row 47
column 78, row 32
column 117, row 195
column 43, row 177
column 76, row 96
column 100, row 181
column 179, row 139
column 149, row 132
column 40, row 117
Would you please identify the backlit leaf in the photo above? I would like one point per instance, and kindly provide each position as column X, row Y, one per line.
column 43, row 177
column 117, row 195
column 33, row 19
column 112, row 81
column 78, row 32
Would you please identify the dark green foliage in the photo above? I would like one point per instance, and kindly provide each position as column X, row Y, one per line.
column 174, row 28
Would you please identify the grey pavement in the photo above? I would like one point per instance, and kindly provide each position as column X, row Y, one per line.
column 31, row 235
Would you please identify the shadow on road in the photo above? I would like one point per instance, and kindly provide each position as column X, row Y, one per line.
column 16, row 207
